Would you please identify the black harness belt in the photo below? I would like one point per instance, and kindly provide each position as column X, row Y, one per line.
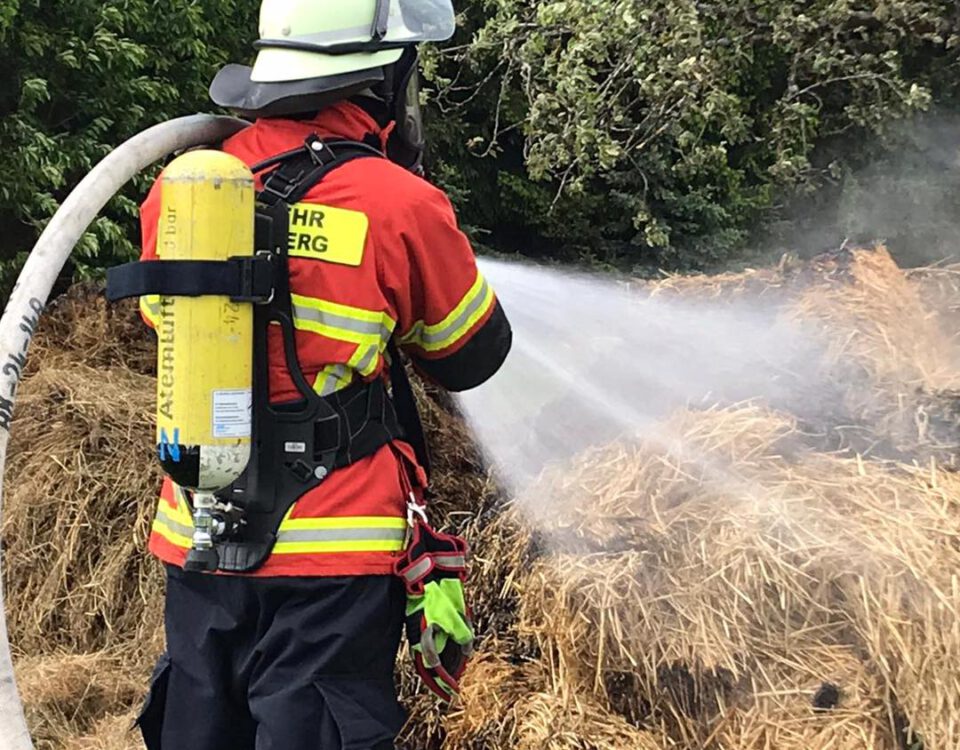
column 295, row 456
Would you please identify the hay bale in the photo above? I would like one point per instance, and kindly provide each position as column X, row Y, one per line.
column 547, row 721
column 59, row 679
column 65, row 695
column 887, row 379
column 939, row 288
column 755, row 283
column 683, row 560
column 491, row 688
column 81, row 325
column 885, row 350
column 505, row 705
column 907, row 623
column 83, row 484
column 808, row 697
column 83, row 599
column 461, row 489
column 113, row 732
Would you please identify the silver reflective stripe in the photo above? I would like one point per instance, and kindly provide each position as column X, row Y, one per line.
column 428, row 647
column 332, row 320
column 153, row 308
column 332, row 376
column 337, row 36
column 368, row 358
column 450, row 561
column 437, row 337
column 177, row 528
column 418, row 571
column 341, row 535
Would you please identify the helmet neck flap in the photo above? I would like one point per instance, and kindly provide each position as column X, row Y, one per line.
column 234, row 89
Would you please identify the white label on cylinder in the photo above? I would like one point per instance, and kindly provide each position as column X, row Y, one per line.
column 232, row 413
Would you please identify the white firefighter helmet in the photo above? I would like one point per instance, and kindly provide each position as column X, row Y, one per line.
column 311, row 50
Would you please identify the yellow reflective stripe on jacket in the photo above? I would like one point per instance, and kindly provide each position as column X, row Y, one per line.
column 300, row 535
column 333, row 378
column 345, row 522
column 354, row 325
column 474, row 305
column 173, row 532
column 174, row 524
column 150, row 308
column 321, row 548
column 366, row 358
column 349, row 534
column 370, row 330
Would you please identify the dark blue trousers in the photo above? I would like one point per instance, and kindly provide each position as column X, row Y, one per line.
column 277, row 664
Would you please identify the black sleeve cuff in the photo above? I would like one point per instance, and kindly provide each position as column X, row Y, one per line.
column 477, row 361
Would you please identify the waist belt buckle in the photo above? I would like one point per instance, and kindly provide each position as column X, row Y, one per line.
column 328, row 437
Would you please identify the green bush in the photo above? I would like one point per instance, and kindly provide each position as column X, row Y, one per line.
column 663, row 133
column 79, row 77
column 667, row 133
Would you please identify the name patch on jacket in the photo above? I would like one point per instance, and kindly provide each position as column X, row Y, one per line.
column 334, row 235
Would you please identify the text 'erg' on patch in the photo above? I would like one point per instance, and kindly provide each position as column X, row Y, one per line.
column 333, row 235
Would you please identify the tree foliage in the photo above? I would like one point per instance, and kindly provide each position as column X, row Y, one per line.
column 79, row 77
column 630, row 132
column 661, row 132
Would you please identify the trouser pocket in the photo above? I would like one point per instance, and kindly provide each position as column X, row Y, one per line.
column 150, row 720
column 362, row 714
column 329, row 713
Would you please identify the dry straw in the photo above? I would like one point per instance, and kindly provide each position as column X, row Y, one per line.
column 695, row 560
column 939, row 287
column 518, row 706
column 70, row 696
column 733, row 579
column 888, row 353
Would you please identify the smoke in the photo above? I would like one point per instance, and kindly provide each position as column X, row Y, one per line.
column 600, row 358
column 908, row 198
column 594, row 360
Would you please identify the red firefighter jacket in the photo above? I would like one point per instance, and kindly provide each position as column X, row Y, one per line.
column 400, row 268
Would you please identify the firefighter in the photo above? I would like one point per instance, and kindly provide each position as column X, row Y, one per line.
column 293, row 646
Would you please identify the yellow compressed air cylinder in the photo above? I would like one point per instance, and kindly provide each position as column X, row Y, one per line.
column 205, row 344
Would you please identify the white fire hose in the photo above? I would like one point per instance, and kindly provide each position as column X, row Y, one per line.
column 30, row 296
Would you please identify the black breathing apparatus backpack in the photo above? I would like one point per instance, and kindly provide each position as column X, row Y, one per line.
column 294, row 446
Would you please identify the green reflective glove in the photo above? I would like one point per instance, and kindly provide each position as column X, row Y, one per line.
column 441, row 634
column 439, row 625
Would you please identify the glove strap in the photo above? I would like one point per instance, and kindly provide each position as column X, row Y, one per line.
column 431, row 556
column 439, row 681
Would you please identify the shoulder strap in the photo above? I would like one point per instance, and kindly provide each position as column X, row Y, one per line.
column 295, row 173
column 289, row 177
column 405, row 404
